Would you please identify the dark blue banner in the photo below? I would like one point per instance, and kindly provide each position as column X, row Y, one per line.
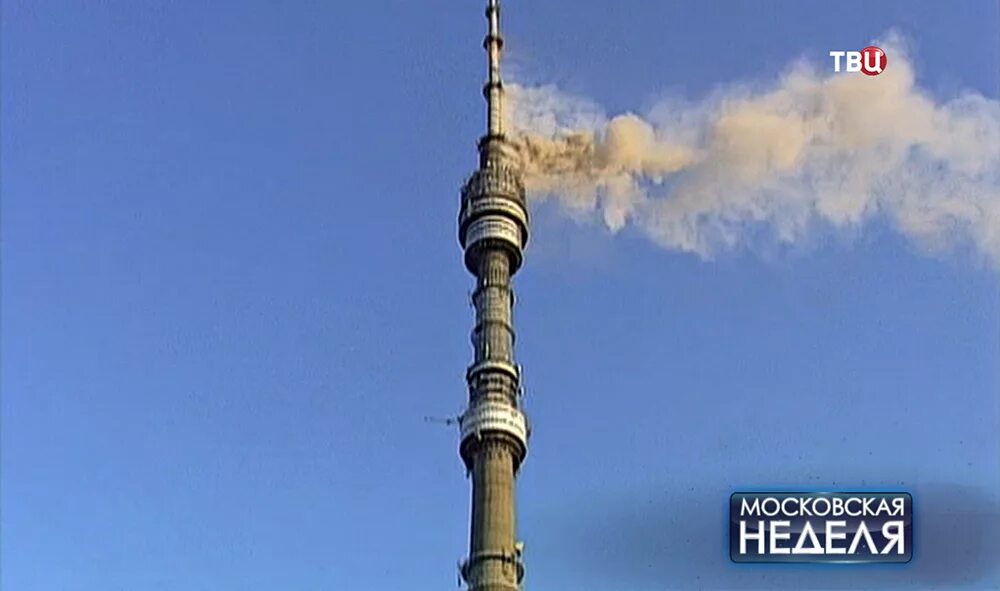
column 841, row 527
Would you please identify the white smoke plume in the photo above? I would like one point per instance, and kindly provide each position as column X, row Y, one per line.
column 833, row 150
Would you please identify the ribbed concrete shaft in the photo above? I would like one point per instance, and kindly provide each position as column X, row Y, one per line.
column 491, row 550
column 494, row 334
column 493, row 564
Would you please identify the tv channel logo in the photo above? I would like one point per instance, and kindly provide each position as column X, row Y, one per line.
column 837, row 527
column 870, row 61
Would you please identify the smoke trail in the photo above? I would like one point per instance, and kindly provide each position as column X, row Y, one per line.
column 834, row 150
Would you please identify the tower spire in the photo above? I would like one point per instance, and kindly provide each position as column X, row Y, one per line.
column 493, row 89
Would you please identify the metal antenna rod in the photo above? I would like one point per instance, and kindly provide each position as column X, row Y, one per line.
column 493, row 90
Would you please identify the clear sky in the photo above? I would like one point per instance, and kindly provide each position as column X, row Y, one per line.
column 231, row 291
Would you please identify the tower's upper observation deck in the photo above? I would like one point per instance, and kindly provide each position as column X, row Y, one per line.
column 494, row 213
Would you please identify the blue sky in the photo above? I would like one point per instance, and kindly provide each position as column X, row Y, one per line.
column 231, row 291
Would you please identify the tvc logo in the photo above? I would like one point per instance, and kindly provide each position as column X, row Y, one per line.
column 870, row 60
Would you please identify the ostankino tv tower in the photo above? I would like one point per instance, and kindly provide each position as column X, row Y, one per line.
column 493, row 230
